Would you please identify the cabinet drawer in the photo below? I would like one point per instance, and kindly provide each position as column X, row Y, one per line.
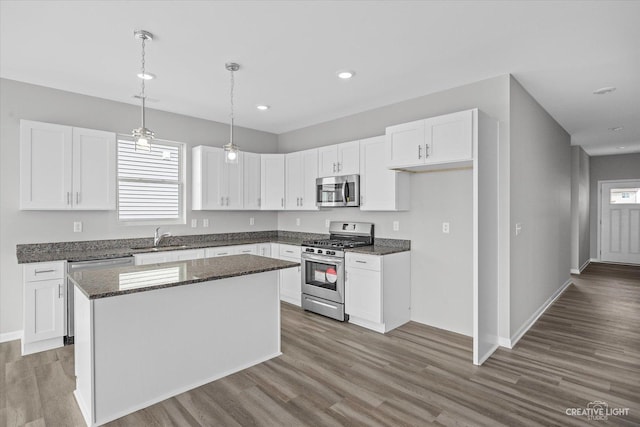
column 246, row 249
column 44, row 271
column 290, row 251
column 221, row 251
column 367, row 262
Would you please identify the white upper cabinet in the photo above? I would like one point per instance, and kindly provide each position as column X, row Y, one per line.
column 301, row 172
column 216, row 185
column 381, row 189
column 62, row 167
column 251, row 181
column 272, row 181
column 432, row 143
column 94, row 169
column 339, row 159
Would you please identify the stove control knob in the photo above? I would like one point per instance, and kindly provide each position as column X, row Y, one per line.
column 308, row 250
column 331, row 253
column 319, row 251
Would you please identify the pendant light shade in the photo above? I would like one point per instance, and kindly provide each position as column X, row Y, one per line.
column 231, row 151
column 142, row 136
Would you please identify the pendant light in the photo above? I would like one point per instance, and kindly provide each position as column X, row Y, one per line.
column 231, row 151
column 142, row 136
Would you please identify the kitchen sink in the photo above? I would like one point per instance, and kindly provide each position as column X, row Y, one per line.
column 159, row 248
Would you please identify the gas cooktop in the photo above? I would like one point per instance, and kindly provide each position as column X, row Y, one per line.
column 335, row 243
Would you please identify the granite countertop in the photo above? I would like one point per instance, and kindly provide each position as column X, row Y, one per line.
column 106, row 249
column 378, row 250
column 111, row 282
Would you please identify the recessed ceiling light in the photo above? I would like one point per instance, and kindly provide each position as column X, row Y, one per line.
column 604, row 90
column 616, row 129
column 345, row 74
column 262, row 107
column 146, row 76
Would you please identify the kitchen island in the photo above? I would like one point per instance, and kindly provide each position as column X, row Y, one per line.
column 146, row 333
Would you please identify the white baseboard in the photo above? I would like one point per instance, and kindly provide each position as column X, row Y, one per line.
column 594, row 260
column 582, row 267
column 539, row 312
column 10, row 336
column 504, row 342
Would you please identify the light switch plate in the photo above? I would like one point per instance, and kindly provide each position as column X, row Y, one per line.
column 445, row 227
column 297, row 221
column 396, row 225
column 77, row 226
column 194, row 223
column 518, row 228
column 205, row 222
column 252, row 221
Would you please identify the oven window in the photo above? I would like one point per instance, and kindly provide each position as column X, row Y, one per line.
column 321, row 274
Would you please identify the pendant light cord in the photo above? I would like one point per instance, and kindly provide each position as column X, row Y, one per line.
column 232, row 83
column 144, row 39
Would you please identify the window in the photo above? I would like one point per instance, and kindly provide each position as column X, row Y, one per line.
column 150, row 186
column 625, row 196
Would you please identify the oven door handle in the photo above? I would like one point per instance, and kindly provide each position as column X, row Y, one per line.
column 329, row 260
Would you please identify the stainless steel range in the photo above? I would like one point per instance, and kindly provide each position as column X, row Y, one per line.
column 323, row 267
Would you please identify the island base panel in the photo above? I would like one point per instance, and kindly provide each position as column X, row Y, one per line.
column 149, row 346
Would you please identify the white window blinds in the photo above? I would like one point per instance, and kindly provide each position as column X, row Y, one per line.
column 149, row 183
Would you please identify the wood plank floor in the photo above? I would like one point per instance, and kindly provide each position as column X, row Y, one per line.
column 586, row 347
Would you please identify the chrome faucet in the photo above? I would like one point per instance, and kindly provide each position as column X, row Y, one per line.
column 157, row 238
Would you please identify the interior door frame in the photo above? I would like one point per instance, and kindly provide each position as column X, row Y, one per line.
column 599, row 223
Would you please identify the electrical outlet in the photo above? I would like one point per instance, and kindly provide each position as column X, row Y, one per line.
column 327, row 223
column 445, row 227
column 396, row 225
column 298, row 221
column 77, row 227
column 518, row 228
column 252, row 221
column 205, row 222
column 194, row 223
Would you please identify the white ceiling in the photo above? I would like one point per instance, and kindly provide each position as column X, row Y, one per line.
column 289, row 51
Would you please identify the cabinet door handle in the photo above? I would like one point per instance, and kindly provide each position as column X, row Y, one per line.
column 44, row 271
column 223, row 253
column 361, row 262
column 334, row 166
column 77, row 197
column 68, row 197
column 339, row 166
column 426, row 151
column 59, row 291
column 301, row 204
column 419, row 151
column 227, row 201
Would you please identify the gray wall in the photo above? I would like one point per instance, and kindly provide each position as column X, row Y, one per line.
column 25, row 101
column 606, row 168
column 580, row 235
column 441, row 264
column 540, row 200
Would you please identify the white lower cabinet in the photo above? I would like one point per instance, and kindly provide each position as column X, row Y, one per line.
column 290, row 278
column 168, row 256
column 264, row 249
column 378, row 290
column 44, row 306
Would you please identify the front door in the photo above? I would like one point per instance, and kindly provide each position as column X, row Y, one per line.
column 620, row 222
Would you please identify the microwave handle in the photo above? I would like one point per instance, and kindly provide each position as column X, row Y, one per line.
column 344, row 192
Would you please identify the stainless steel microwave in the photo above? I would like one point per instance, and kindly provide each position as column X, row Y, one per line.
column 338, row 191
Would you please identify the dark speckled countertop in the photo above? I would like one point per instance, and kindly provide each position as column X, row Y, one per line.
column 111, row 282
column 106, row 249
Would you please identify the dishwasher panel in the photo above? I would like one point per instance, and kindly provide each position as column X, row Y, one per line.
column 73, row 267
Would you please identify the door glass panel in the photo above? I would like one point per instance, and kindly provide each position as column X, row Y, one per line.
column 324, row 275
column 624, row 196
